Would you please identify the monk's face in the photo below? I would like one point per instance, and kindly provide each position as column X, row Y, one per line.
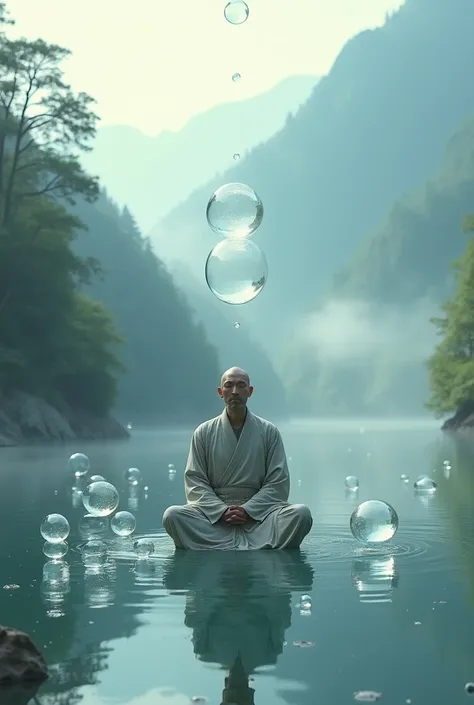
column 235, row 389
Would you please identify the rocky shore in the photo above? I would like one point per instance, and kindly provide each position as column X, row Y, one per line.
column 26, row 419
column 462, row 419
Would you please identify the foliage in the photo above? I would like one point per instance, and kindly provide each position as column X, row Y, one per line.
column 53, row 341
column 451, row 366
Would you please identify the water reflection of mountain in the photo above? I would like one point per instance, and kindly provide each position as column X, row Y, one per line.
column 238, row 607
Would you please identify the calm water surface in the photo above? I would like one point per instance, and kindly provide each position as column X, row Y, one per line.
column 397, row 621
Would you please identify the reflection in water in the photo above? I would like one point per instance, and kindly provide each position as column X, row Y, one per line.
column 133, row 497
column 375, row 578
column 239, row 607
column 55, row 585
column 99, row 585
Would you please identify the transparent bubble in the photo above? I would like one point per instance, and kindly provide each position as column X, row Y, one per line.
column 171, row 466
column 133, row 476
column 236, row 12
column 144, row 548
column 351, row 482
column 236, row 77
column 97, row 478
column 236, row 157
column 90, row 525
column 129, row 426
column 236, row 271
column 55, row 550
column 469, row 688
column 123, row 524
column 235, row 210
column 374, row 521
column 100, row 499
column 404, row 478
column 79, row 464
column 94, row 553
column 426, row 484
column 236, row 324
column 55, row 528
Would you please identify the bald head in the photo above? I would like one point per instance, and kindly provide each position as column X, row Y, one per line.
column 235, row 389
column 235, row 373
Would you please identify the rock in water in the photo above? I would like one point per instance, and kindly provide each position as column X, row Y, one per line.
column 20, row 661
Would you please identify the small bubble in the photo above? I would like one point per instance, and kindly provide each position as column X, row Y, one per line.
column 236, row 157
column 234, row 210
column 404, row 478
column 236, row 324
column 55, row 528
column 97, row 478
column 100, row 499
column 123, row 524
column 351, row 482
column 236, row 77
column 236, row 12
column 425, row 484
column 79, row 464
column 133, row 476
column 469, row 688
column 374, row 521
column 144, row 548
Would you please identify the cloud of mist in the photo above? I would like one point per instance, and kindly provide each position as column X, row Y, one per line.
column 343, row 331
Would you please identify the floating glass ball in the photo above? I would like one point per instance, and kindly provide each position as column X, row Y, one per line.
column 123, row 524
column 235, row 210
column 55, row 550
column 236, row 271
column 55, row 528
column 374, row 521
column 133, row 476
column 100, row 498
column 351, row 482
column 79, row 464
column 236, row 12
column 425, row 484
column 144, row 548
column 97, row 478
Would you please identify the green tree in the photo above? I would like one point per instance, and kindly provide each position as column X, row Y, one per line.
column 451, row 367
column 53, row 341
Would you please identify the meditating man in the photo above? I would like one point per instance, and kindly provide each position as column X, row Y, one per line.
column 237, row 482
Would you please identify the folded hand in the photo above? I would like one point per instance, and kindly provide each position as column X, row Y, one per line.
column 235, row 515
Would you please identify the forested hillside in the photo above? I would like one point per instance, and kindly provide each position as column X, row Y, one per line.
column 373, row 129
column 88, row 314
column 377, row 310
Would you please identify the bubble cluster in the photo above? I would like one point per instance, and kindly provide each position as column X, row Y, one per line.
column 374, row 521
column 100, row 498
column 236, row 271
column 234, row 210
column 55, row 528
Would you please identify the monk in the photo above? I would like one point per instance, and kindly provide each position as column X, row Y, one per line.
column 237, row 482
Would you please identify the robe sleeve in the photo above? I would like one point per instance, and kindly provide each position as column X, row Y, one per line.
column 276, row 485
column 196, row 482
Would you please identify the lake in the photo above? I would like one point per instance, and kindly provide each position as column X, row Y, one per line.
column 221, row 627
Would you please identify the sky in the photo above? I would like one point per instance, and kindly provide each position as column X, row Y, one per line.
column 154, row 64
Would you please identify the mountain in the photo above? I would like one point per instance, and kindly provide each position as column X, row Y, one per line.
column 163, row 381
column 153, row 174
column 373, row 129
column 363, row 349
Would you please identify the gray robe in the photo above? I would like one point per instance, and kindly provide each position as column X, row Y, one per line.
column 250, row 471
